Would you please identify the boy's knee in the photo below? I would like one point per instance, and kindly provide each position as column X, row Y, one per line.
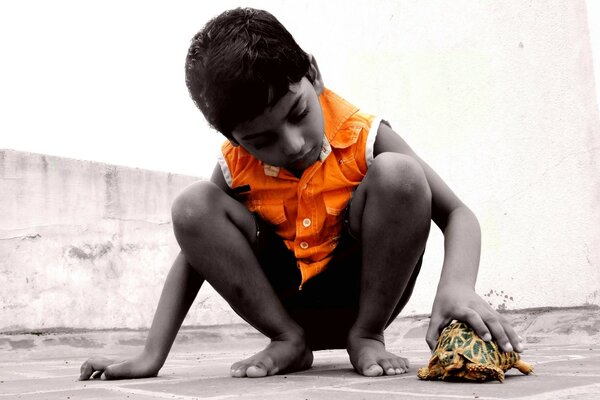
column 194, row 206
column 401, row 177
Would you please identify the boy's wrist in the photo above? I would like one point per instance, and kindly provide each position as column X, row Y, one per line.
column 454, row 287
column 152, row 359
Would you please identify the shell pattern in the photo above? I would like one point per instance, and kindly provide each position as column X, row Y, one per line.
column 462, row 354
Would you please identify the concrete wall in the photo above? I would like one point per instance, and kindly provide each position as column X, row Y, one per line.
column 507, row 114
column 499, row 97
column 85, row 245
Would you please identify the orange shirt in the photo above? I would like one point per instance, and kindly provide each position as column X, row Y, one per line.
column 307, row 211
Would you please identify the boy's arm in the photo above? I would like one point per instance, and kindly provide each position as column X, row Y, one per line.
column 178, row 294
column 456, row 297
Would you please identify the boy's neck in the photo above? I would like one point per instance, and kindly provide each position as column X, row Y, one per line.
column 296, row 172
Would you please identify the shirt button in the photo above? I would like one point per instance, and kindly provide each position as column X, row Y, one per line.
column 304, row 245
column 306, row 222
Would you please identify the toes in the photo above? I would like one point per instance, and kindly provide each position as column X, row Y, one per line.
column 256, row 371
column 400, row 365
column 406, row 363
column 238, row 370
column 394, row 366
column 373, row 370
column 387, row 367
column 399, row 369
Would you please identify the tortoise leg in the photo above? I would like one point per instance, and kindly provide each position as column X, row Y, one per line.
column 423, row 373
column 456, row 368
column 524, row 367
column 482, row 372
column 432, row 371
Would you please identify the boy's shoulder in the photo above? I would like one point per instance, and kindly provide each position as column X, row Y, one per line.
column 344, row 122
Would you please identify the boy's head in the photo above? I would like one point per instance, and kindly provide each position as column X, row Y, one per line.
column 242, row 62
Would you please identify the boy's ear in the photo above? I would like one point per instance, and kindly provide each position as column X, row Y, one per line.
column 315, row 75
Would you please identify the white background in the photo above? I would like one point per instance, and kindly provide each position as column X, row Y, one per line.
column 497, row 96
column 104, row 81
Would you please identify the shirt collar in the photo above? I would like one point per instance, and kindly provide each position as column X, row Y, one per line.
column 325, row 149
column 336, row 111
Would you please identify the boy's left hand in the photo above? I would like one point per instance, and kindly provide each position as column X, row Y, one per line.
column 463, row 304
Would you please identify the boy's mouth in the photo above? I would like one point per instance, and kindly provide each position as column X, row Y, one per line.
column 305, row 159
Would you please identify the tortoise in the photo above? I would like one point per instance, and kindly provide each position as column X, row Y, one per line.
column 461, row 354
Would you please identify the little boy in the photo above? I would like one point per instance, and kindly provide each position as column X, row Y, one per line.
column 315, row 220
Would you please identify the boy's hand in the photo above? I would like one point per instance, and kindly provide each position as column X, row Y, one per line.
column 462, row 303
column 104, row 368
column 94, row 368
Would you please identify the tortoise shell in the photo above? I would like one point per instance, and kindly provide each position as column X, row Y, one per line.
column 461, row 354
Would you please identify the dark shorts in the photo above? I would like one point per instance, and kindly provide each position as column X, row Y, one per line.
column 327, row 305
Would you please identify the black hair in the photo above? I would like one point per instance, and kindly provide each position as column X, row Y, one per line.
column 240, row 63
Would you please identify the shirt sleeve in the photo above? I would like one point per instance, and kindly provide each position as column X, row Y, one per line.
column 225, row 167
column 371, row 136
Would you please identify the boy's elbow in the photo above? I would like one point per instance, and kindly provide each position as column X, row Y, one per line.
column 465, row 216
column 460, row 213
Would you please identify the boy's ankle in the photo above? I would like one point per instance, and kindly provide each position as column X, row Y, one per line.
column 292, row 336
column 365, row 333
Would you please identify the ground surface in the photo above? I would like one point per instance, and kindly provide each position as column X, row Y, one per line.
column 563, row 345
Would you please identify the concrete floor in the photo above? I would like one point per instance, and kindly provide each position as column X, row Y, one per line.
column 563, row 345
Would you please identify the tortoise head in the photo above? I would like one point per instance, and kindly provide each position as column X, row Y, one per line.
column 446, row 359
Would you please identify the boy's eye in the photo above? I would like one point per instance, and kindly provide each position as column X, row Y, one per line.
column 262, row 141
column 299, row 117
column 260, row 145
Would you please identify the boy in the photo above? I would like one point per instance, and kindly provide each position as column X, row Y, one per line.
column 315, row 220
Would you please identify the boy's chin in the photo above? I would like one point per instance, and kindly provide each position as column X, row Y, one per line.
column 303, row 164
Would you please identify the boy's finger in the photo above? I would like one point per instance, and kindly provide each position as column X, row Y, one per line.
column 91, row 366
column 431, row 336
column 113, row 371
column 433, row 332
column 97, row 374
column 499, row 334
column 85, row 371
column 473, row 319
column 513, row 337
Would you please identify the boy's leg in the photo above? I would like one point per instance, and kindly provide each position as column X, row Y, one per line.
column 217, row 234
column 391, row 213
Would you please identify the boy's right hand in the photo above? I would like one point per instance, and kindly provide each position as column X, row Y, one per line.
column 462, row 303
column 104, row 368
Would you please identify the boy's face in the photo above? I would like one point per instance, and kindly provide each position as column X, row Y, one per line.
column 289, row 134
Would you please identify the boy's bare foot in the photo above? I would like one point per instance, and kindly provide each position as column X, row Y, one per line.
column 280, row 356
column 370, row 358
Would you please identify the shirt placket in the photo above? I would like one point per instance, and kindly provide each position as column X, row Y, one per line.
column 306, row 235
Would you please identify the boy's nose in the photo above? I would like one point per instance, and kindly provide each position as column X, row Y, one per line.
column 292, row 143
